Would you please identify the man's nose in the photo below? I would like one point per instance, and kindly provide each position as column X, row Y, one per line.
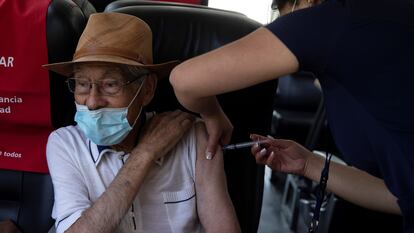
column 95, row 99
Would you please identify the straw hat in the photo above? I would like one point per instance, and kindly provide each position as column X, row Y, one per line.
column 115, row 38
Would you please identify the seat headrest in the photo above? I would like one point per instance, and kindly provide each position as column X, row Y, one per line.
column 184, row 3
column 184, row 32
column 298, row 92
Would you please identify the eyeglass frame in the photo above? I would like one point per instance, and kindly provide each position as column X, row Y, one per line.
column 100, row 85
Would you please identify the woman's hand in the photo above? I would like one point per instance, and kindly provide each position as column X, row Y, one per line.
column 281, row 155
column 163, row 132
column 219, row 129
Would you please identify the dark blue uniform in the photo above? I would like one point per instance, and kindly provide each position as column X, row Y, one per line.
column 363, row 53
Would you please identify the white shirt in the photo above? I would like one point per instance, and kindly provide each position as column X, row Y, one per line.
column 81, row 172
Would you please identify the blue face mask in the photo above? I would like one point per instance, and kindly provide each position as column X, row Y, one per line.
column 105, row 126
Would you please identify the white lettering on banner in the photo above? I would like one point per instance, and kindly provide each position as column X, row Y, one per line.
column 5, row 110
column 11, row 154
column 13, row 100
column 6, row 61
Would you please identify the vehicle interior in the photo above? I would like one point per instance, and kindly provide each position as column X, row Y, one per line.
column 290, row 108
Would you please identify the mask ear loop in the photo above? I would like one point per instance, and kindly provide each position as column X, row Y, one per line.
column 294, row 6
column 140, row 110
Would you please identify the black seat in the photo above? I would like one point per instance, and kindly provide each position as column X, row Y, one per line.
column 296, row 102
column 66, row 20
column 300, row 115
column 100, row 5
column 183, row 31
column 125, row 3
column 26, row 197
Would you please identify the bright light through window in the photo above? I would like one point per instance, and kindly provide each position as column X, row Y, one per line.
column 258, row 10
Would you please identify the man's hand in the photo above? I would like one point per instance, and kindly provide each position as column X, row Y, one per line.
column 163, row 132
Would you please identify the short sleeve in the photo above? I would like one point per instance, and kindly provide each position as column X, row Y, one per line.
column 311, row 33
column 71, row 195
column 191, row 141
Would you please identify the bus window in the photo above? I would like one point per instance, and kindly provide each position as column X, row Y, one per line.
column 259, row 10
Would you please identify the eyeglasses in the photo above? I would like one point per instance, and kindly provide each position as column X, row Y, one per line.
column 81, row 86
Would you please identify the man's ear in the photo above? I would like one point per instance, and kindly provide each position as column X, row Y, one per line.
column 149, row 89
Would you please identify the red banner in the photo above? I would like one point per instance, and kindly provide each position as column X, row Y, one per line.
column 25, row 121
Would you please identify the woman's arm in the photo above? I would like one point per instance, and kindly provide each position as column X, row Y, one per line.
column 347, row 182
column 214, row 206
column 255, row 58
column 354, row 185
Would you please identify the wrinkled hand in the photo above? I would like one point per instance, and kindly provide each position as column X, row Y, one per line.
column 163, row 132
column 219, row 129
column 281, row 155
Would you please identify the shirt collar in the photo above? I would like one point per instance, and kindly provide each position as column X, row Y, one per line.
column 102, row 148
column 98, row 151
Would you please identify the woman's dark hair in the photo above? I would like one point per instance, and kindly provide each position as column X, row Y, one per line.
column 279, row 4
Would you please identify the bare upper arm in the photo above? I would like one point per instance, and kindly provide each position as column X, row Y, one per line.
column 205, row 167
column 214, row 206
column 255, row 58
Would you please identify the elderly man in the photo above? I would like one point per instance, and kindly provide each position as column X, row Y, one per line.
column 121, row 169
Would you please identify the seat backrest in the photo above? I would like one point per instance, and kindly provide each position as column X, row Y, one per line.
column 296, row 103
column 297, row 92
column 101, row 4
column 26, row 197
column 183, row 31
column 66, row 20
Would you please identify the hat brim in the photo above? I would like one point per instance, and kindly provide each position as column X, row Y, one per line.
column 162, row 70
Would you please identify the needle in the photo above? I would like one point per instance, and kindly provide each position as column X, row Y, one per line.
column 242, row 145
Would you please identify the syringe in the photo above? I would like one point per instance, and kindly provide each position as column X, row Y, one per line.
column 242, row 145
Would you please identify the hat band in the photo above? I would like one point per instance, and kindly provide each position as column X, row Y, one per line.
column 106, row 51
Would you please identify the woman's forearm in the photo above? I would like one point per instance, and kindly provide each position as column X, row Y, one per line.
column 206, row 106
column 354, row 185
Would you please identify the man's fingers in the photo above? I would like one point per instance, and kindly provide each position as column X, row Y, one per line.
column 185, row 119
column 175, row 113
column 180, row 124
